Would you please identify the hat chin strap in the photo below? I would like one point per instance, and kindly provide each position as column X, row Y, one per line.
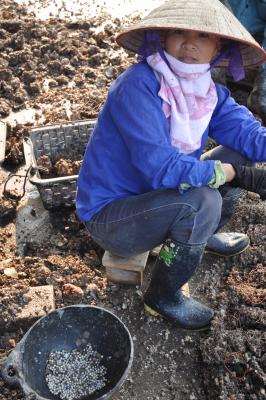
column 235, row 65
column 151, row 45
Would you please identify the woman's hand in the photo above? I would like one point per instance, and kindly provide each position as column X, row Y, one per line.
column 250, row 178
column 229, row 172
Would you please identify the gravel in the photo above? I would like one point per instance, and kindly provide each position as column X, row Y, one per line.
column 74, row 374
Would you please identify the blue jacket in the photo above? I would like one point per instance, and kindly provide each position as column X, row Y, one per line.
column 130, row 151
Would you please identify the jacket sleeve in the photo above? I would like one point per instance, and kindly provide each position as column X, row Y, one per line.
column 234, row 126
column 137, row 113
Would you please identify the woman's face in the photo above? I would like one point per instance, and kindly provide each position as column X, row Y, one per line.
column 191, row 47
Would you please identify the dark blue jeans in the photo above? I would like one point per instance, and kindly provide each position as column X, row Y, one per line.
column 135, row 224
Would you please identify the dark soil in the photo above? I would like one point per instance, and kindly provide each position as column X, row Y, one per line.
column 64, row 69
column 62, row 167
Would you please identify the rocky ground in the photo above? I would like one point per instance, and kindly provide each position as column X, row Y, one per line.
column 58, row 70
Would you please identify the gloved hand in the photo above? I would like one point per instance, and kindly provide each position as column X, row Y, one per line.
column 250, row 178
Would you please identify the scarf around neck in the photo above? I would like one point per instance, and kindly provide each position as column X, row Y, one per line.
column 188, row 99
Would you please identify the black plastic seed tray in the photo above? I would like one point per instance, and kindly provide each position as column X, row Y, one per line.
column 56, row 141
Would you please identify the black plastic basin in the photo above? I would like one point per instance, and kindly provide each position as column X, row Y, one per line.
column 62, row 330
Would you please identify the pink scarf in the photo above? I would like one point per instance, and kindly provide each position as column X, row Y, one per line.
column 189, row 98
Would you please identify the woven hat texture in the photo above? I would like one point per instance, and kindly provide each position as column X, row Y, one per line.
column 200, row 15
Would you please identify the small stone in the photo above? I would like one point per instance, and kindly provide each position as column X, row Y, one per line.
column 43, row 270
column 22, row 275
column 72, row 290
column 5, row 108
column 58, row 240
column 100, row 82
column 92, row 287
column 109, row 72
column 6, row 263
column 167, row 334
column 11, row 272
column 61, row 80
column 5, row 74
column 33, row 89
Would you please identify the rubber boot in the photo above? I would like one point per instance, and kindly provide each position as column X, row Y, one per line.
column 227, row 244
column 175, row 265
column 257, row 98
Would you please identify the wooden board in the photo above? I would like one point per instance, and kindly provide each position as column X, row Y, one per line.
column 136, row 263
column 119, row 275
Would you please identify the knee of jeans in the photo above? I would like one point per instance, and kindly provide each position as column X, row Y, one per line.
column 211, row 204
column 229, row 193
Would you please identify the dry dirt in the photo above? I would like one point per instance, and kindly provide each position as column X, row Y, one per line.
column 60, row 70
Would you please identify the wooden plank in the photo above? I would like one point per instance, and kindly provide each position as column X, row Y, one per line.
column 119, row 275
column 135, row 263
column 155, row 252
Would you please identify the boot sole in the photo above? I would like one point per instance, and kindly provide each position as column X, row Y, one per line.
column 156, row 314
column 226, row 255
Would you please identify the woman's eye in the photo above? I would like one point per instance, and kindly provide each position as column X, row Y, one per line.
column 178, row 32
column 204, row 35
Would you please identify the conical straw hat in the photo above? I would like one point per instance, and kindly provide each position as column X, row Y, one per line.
column 200, row 15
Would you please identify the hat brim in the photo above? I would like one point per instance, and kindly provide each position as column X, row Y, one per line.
column 252, row 55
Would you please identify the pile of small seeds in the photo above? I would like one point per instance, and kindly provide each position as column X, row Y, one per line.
column 74, row 374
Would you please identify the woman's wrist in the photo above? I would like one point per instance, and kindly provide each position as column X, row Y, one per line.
column 229, row 172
